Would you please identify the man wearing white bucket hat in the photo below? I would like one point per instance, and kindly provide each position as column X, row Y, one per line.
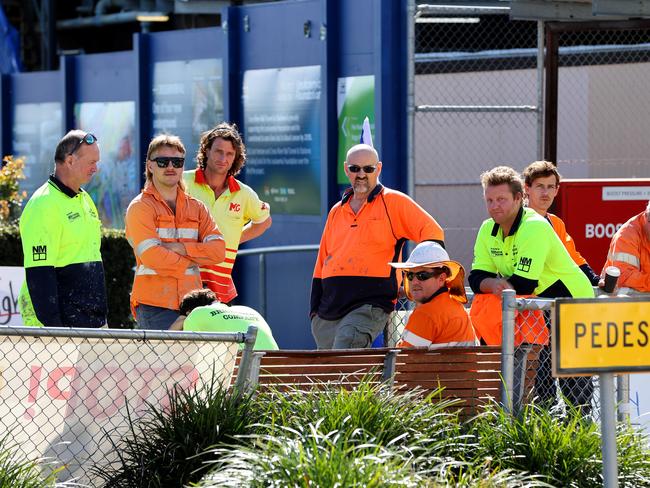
column 435, row 283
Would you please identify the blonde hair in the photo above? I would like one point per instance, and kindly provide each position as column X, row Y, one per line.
column 163, row 140
column 503, row 175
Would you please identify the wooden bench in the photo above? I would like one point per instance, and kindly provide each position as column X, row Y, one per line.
column 308, row 369
column 470, row 375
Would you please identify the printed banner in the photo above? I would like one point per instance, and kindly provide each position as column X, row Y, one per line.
column 355, row 101
column 282, row 111
column 65, row 398
column 11, row 279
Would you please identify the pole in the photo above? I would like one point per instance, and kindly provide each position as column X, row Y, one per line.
column 623, row 397
column 507, row 348
column 608, row 430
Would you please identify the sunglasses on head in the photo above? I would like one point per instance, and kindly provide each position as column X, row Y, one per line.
column 355, row 168
column 88, row 138
column 422, row 275
column 163, row 161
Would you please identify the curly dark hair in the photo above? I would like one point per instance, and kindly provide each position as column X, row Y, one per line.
column 227, row 132
column 196, row 298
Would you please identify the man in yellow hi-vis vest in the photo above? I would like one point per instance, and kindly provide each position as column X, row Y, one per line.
column 61, row 238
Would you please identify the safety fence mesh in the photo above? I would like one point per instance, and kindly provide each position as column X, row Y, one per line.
column 68, row 399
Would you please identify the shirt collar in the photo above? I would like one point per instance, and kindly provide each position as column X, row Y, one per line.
column 347, row 194
column 515, row 224
column 66, row 190
column 440, row 291
column 199, row 177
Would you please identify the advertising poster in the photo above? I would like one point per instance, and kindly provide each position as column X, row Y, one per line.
column 36, row 130
column 355, row 101
column 70, row 399
column 11, row 280
column 118, row 178
column 187, row 100
column 282, row 135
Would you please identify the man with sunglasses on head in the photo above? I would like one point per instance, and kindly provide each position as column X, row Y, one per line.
column 61, row 238
column 353, row 288
column 236, row 208
column 436, row 285
column 171, row 233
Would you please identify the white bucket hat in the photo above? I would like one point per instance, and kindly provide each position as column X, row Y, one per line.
column 432, row 255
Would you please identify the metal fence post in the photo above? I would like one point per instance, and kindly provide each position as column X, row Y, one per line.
column 243, row 374
column 608, row 430
column 508, row 303
column 623, row 397
column 262, row 283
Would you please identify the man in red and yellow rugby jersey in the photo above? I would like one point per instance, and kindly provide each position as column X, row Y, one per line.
column 354, row 289
column 235, row 207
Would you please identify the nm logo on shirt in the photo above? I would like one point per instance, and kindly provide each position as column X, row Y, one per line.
column 234, row 207
column 39, row 253
column 524, row 264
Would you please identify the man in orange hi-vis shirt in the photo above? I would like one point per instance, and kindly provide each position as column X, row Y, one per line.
column 629, row 251
column 541, row 184
column 171, row 234
column 436, row 284
column 354, row 289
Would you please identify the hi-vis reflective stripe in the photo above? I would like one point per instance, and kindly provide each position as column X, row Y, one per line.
column 143, row 270
column 455, row 344
column 415, row 339
column 627, row 258
column 418, row 341
column 146, row 244
column 212, row 237
column 181, row 233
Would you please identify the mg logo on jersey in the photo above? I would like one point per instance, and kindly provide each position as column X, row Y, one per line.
column 39, row 253
column 235, row 207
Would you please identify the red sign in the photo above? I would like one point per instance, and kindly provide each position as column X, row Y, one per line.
column 593, row 210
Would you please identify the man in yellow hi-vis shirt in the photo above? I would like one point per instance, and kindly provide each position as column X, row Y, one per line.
column 61, row 237
column 235, row 207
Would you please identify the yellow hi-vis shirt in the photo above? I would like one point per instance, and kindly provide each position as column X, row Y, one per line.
column 235, row 207
column 61, row 237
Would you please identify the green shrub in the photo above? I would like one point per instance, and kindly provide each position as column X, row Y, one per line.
column 16, row 472
column 382, row 415
column 310, row 457
column 118, row 259
column 164, row 448
column 11, row 198
column 564, row 450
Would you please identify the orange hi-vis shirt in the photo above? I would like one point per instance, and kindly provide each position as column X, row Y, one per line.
column 560, row 229
column 163, row 277
column 352, row 265
column 440, row 322
column 630, row 252
column 235, row 207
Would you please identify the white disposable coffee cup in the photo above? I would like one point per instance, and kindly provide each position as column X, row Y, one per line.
column 611, row 278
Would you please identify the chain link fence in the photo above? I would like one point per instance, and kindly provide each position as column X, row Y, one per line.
column 477, row 92
column 603, row 103
column 68, row 394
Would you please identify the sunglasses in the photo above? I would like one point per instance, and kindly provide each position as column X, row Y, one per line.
column 355, row 168
column 163, row 161
column 421, row 275
column 89, row 139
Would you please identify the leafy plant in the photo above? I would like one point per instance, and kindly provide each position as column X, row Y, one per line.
column 163, row 449
column 309, row 457
column 11, row 198
column 564, row 450
column 17, row 472
column 381, row 414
